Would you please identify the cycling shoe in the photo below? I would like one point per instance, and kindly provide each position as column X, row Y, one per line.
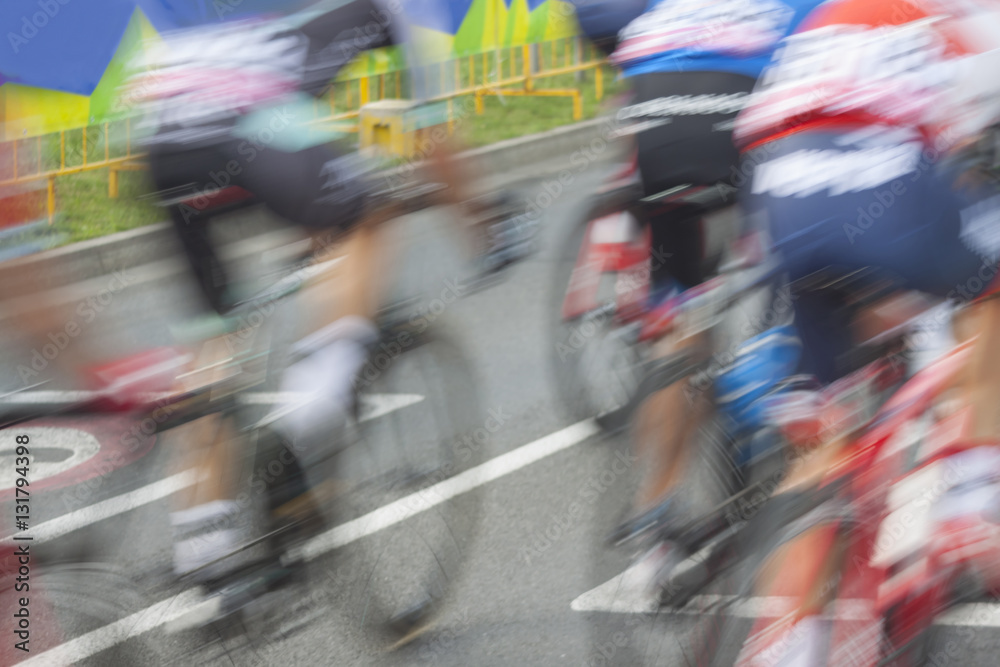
column 645, row 580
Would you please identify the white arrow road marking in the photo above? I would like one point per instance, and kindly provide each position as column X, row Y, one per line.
column 80, row 445
column 190, row 602
column 619, row 596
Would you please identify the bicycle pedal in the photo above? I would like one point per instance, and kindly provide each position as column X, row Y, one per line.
column 652, row 521
column 233, row 598
column 413, row 622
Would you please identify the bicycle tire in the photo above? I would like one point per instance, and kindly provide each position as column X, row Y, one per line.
column 575, row 343
column 81, row 597
column 674, row 632
column 411, row 454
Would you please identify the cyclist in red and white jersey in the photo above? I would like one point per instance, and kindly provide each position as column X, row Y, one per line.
column 857, row 142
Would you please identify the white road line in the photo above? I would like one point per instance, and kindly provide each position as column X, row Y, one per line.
column 375, row 406
column 190, row 601
column 414, row 504
column 104, row 638
column 617, row 596
column 106, row 509
column 247, row 398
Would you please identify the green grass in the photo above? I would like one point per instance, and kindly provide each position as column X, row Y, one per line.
column 510, row 117
column 86, row 211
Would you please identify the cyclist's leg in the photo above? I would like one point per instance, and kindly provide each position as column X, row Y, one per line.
column 324, row 191
column 688, row 149
column 669, row 418
column 205, row 517
column 665, row 429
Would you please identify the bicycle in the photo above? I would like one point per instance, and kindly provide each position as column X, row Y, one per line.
column 602, row 321
column 888, row 587
column 886, row 599
column 707, row 549
column 397, row 486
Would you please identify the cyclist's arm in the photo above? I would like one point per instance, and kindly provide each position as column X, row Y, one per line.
column 337, row 32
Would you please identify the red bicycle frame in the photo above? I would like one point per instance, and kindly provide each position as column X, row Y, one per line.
column 871, row 587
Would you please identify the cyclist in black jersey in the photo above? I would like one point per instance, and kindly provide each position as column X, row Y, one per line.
column 229, row 106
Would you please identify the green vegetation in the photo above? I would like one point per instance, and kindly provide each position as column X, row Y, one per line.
column 86, row 211
column 509, row 117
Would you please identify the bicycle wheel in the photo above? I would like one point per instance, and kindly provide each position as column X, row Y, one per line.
column 594, row 360
column 674, row 630
column 410, row 506
column 71, row 600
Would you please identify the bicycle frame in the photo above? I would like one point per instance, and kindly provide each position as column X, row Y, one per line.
column 870, row 586
column 618, row 243
column 610, row 246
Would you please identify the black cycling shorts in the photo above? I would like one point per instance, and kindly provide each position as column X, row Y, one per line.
column 316, row 188
column 690, row 117
column 688, row 141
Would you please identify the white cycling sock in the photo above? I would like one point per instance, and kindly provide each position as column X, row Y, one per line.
column 321, row 385
column 932, row 337
column 802, row 645
column 204, row 533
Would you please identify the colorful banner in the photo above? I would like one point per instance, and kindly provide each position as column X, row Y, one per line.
column 64, row 60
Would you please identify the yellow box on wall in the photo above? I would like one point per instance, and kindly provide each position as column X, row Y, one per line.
column 399, row 127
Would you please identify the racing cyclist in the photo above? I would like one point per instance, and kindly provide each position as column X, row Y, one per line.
column 211, row 95
column 858, row 141
column 692, row 65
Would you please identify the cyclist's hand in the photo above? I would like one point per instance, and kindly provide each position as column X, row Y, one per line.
column 505, row 232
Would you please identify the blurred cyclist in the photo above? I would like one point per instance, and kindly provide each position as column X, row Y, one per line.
column 602, row 20
column 692, row 65
column 229, row 108
column 858, row 141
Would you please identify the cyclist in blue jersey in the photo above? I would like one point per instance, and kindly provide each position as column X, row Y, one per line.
column 692, row 65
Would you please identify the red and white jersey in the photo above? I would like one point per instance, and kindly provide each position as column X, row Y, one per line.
column 933, row 65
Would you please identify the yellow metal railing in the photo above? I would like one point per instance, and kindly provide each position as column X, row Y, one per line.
column 508, row 71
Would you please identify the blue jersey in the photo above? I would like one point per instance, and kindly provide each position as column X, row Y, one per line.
column 736, row 36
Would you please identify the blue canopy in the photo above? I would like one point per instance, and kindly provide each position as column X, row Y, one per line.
column 67, row 45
